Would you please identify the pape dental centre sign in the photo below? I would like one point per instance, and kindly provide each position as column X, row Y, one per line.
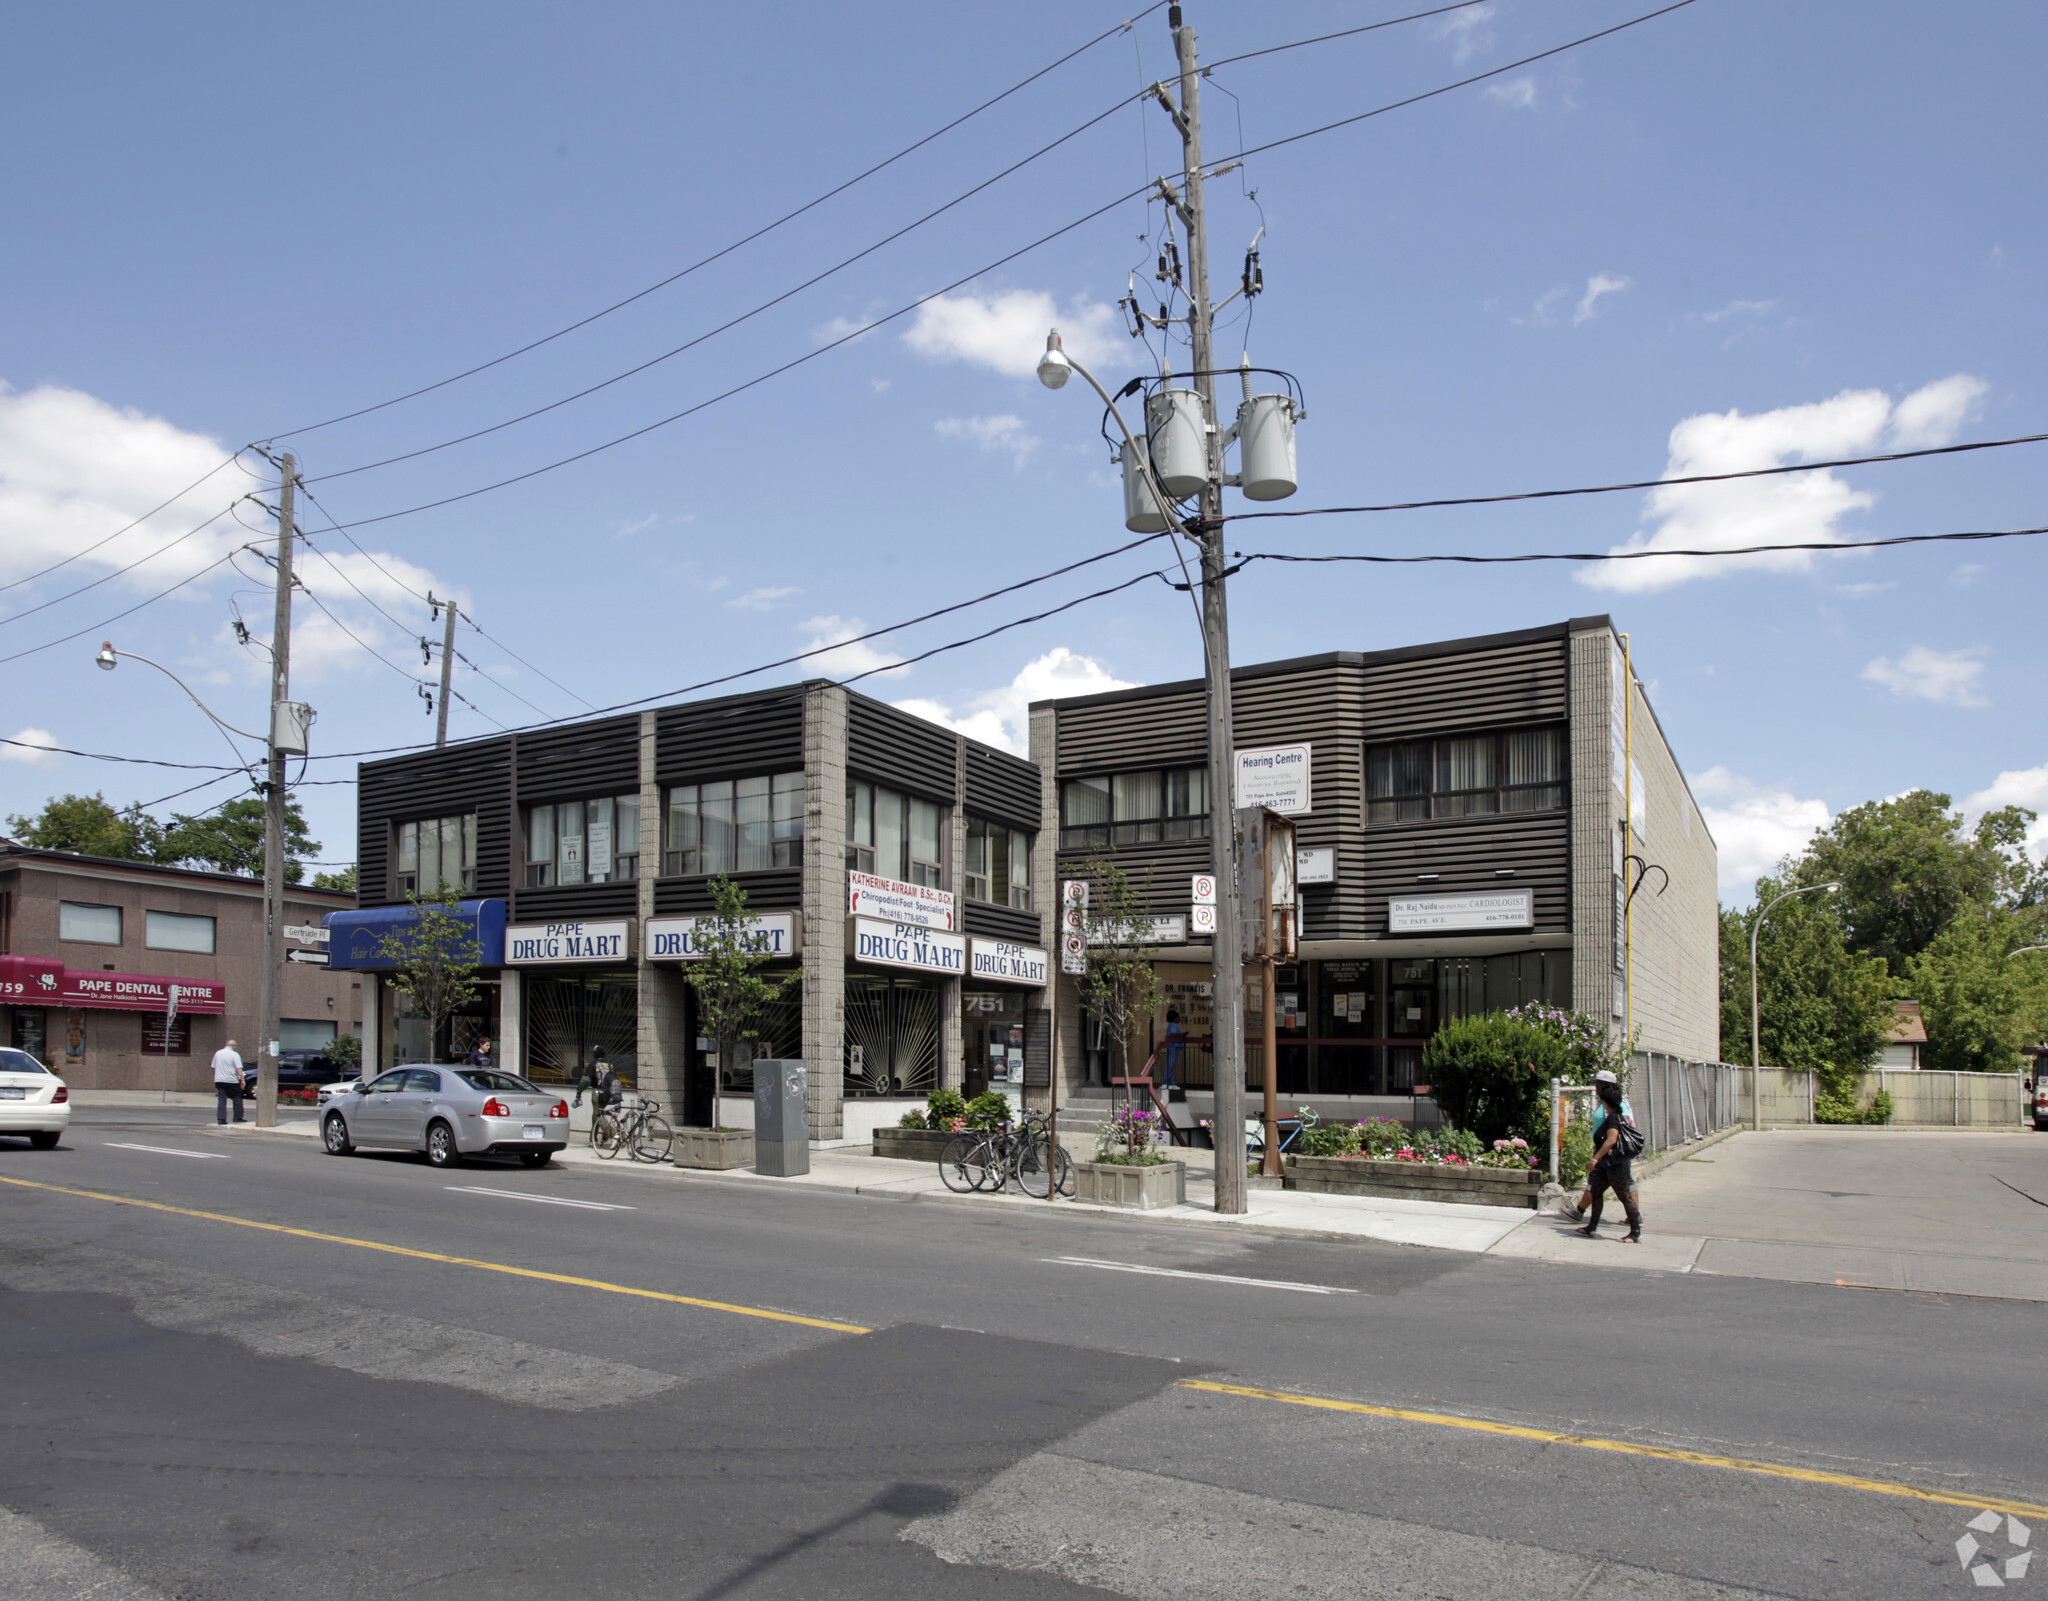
column 890, row 900
column 912, row 945
column 539, row 944
column 1276, row 778
column 675, row 939
column 1450, row 914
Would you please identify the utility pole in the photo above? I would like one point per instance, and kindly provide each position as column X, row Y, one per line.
column 1227, row 1040
column 272, row 989
column 447, row 671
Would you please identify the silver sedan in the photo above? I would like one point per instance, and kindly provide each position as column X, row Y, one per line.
column 449, row 1113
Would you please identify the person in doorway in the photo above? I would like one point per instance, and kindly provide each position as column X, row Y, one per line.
column 1615, row 1145
column 1176, row 1042
column 1577, row 1213
column 481, row 1056
column 227, row 1082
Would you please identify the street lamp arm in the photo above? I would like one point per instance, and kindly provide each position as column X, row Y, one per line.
column 106, row 660
column 2009, row 955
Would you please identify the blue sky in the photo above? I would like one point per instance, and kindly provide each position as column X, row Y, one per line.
column 1741, row 234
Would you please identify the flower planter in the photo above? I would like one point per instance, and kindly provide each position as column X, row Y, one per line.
column 1144, row 1188
column 713, row 1148
column 912, row 1144
column 1416, row 1181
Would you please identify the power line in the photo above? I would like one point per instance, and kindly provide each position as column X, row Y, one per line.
column 72, row 594
column 1646, row 554
column 138, row 761
column 1325, row 38
column 117, row 533
column 408, row 676
column 107, row 621
column 1646, row 483
column 523, row 662
column 786, row 217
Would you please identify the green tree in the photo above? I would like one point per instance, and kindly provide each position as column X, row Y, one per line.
column 734, row 996
column 92, row 826
column 230, row 839
column 1121, row 987
column 1826, row 1007
column 1908, row 868
column 1491, row 1073
column 344, row 879
column 1979, row 1005
column 436, row 957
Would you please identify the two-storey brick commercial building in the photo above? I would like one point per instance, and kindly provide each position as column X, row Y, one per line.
column 91, row 949
column 1463, row 849
column 891, row 864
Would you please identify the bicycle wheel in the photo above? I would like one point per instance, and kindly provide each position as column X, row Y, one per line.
column 652, row 1140
column 605, row 1135
column 963, row 1164
column 1036, row 1164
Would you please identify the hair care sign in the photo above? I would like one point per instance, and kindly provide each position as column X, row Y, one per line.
column 1276, row 778
column 890, row 900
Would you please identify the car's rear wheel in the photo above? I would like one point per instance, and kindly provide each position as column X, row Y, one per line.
column 334, row 1135
column 43, row 1139
column 442, row 1151
column 535, row 1158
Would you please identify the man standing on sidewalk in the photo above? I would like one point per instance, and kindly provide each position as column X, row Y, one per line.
column 227, row 1080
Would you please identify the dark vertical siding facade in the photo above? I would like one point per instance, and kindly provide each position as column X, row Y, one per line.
column 899, row 750
column 467, row 778
column 742, row 737
column 1001, row 786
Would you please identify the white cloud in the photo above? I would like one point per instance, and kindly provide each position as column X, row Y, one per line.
column 1754, row 828
column 1467, row 31
column 834, row 630
column 1932, row 416
column 1517, row 94
column 638, row 525
column 2028, row 787
column 20, row 750
column 1600, row 284
column 1544, row 313
column 1938, row 675
column 1862, row 591
column 879, row 385
column 764, row 599
column 1800, row 508
column 1967, row 574
column 1739, row 308
column 1007, row 331
column 1006, row 432
column 349, row 582
column 1002, row 716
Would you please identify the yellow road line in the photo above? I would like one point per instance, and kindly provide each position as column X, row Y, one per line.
column 454, row 1261
column 1591, row 1442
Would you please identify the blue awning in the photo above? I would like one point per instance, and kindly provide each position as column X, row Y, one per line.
column 356, row 938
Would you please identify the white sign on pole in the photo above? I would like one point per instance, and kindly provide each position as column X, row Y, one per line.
column 1202, row 919
column 1316, row 866
column 1145, row 931
column 1073, row 953
column 1276, row 778
column 1204, row 890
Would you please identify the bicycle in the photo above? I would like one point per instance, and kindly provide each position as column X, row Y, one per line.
column 637, row 1126
column 994, row 1158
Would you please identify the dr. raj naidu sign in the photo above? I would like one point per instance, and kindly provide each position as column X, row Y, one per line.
column 1452, row 914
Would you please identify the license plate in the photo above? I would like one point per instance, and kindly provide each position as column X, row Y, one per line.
column 533, row 1131
column 12, row 1092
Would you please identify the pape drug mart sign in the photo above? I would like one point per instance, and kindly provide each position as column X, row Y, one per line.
column 539, row 944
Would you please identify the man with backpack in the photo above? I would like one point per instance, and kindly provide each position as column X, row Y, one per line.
column 1616, row 1143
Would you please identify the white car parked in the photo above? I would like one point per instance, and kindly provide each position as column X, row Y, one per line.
column 33, row 1100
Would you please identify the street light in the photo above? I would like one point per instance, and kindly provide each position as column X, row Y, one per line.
column 1756, row 1049
column 109, row 658
column 2009, row 955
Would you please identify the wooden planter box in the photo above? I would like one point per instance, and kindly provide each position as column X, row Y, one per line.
column 912, row 1144
column 1145, row 1188
column 704, row 1147
column 1415, row 1181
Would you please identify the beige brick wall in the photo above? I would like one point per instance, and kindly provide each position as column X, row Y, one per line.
column 1069, row 1064
column 825, row 907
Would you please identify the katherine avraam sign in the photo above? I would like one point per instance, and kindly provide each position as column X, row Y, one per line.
column 927, row 950
column 674, row 939
column 1005, row 963
column 1455, row 914
column 541, row 943
column 892, row 900
column 1275, row 778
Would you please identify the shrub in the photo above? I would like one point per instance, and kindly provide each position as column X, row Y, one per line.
column 1574, row 1152
column 1458, row 1142
column 1381, row 1137
column 943, row 1108
column 1830, row 1107
column 990, row 1109
column 1489, row 1074
column 1329, row 1139
column 911, row 1119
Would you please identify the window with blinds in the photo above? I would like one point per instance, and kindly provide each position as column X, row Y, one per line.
column 736, row 825
column 1140, row 808
column 998, row 865
column 583, row 841
column 433, row 851
column 1468, row 775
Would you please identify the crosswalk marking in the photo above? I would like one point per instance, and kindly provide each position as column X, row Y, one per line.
column 1207, row 1278
column 546, row 1200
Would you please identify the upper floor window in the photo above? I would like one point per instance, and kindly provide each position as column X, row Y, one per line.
column 998, row 865
column 177, row 931
column 583, row 842
column 1471, row 775
column 437, row 850
column 94, row 925
column 1138, row 808
column 737, row 825
column 893, row 834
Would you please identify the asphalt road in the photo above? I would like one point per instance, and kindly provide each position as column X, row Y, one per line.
column 420, row 1383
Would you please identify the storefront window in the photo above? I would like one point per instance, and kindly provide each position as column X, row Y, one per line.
column 573, row 1021
column 1135, row 808
column 91, row 925
column 1473, row 775
column 895, row 835
column 437, row 850
column 892, row 1035
column 583, row 842
column 736, row 825
column 28, row 1030
column 998, row 865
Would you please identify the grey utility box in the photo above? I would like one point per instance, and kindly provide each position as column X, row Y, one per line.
column 782, row 1118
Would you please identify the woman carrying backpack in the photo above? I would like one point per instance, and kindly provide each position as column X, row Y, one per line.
column 1616, row 1143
